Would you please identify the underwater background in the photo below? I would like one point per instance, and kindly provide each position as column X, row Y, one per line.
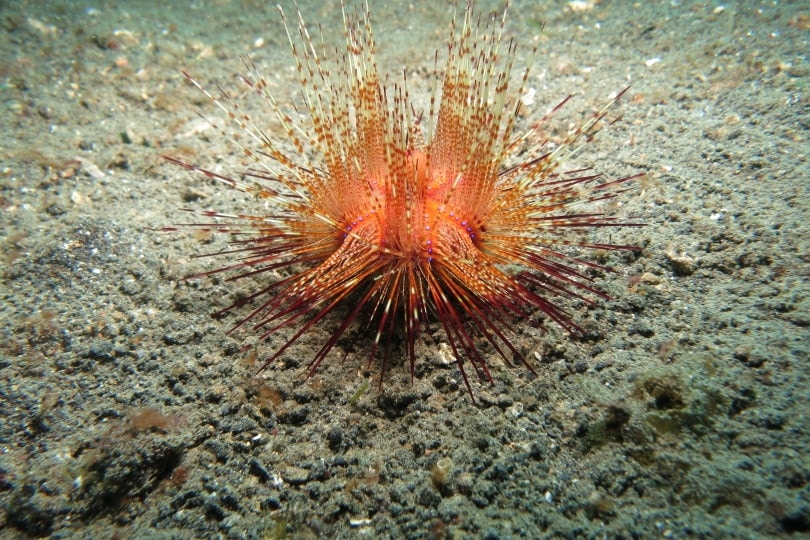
column 127, row 412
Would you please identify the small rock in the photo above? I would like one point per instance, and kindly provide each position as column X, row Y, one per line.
column 295, row 476
column 682, row 264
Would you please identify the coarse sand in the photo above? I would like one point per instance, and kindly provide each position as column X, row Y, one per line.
column 126, row 411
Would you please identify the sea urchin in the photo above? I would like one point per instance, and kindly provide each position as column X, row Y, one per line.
column 404, row 221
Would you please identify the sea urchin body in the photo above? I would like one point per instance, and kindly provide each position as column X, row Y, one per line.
column 403, row 221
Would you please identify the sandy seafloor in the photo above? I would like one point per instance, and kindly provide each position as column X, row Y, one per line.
column 126, row 411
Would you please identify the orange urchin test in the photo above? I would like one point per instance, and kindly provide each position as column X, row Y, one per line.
column 400, row 220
